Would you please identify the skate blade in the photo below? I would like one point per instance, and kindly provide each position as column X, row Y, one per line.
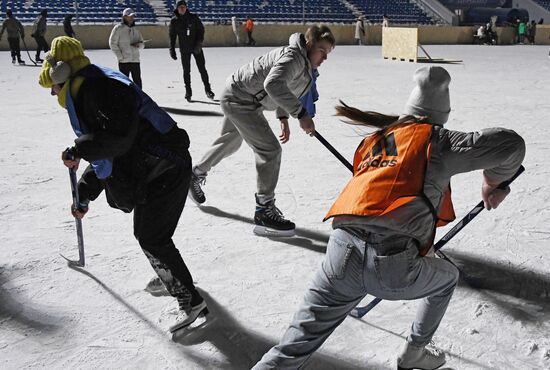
column 193, row 325
column 266, row 231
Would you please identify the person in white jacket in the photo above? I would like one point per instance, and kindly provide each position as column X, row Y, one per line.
column 235, row 28
column 125, row 41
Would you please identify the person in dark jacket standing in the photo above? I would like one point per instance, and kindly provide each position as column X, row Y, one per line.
column 189, row 30
column 137, row 154
column 67, row 27
column 39, row 29
column 15, row 30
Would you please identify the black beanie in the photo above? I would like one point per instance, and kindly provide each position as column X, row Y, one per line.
column 181, row 2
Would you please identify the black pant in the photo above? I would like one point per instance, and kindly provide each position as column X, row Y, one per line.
column 132, row 68
column 186, row 64
column 15, row 48
column 251, row 41
column 154, row 225
column 41, row 44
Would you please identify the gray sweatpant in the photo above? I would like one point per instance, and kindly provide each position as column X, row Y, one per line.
column 244, row 119
column 353, row 268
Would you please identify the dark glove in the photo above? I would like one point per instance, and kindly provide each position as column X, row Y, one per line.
column 198, row 48
column 173, row 54
column 70, row 159
column 80, row 210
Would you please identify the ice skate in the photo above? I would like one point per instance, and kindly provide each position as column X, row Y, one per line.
column 270, row 221
column 195, row 188
column 414, row 357
column 209, row 94
column 188, row 94
column 188, row 317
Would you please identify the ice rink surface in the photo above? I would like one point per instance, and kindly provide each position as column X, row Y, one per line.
column 54, row 317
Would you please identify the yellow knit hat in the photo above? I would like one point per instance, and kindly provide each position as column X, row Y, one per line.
column 64, row 49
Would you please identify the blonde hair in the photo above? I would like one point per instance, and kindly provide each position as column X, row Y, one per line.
column 315, row 34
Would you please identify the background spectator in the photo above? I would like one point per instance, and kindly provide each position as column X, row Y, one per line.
column 235, row 27
column 125, row 41
column 67, row 27
column 39, row 29
column 15, row 30
column 359, row 31
column 188, row 29
column 249, row 28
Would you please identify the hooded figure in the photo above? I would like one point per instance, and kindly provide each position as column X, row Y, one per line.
column 137, row 154
column 384, row 221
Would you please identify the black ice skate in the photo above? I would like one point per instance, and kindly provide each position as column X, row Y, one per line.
column 269, row 221
column 188, row 94
column 21, row 62
column 188, row 317
column 195, row 189
column 209, row 94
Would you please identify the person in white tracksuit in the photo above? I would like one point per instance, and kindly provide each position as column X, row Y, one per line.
column 274, row 81
column 126, row 41
column 235, row 28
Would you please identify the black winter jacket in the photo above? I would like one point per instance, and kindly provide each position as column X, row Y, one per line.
column 189, row 30
column 140, row 154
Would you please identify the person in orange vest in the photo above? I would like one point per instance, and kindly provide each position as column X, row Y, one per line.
column 385, row 218
column 249, row 26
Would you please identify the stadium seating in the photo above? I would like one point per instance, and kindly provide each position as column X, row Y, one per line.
column 544, row 3
column 221, row 11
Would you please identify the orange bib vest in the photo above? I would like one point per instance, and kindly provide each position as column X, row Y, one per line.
column 389, row 170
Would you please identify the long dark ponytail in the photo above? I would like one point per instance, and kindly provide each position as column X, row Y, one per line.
column 364, row 118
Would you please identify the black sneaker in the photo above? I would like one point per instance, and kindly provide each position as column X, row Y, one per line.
column 195, row 190
column 269, row 221
column 209, row 94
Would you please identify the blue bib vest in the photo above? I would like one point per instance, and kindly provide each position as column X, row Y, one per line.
column 147, row 109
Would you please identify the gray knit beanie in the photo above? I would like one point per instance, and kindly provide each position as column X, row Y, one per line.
column 430, row 96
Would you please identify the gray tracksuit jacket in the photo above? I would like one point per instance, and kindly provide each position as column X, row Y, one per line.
column 497, row 151
column 278, row 79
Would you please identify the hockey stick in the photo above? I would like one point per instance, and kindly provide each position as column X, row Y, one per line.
column 27, row 50
column 333, row 151
column 74, row 189
column 361, row 311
